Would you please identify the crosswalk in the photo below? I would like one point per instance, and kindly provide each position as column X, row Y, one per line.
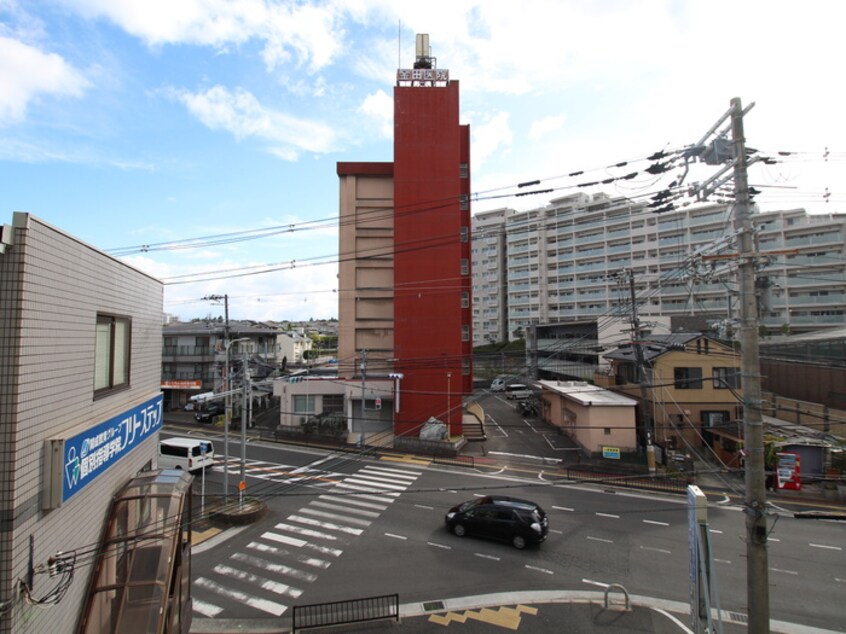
column 276, row 568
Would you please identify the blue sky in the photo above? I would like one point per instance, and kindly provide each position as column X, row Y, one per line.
column 128, row 123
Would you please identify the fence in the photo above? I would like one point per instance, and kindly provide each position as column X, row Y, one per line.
column 345, row 612
column 667, row 484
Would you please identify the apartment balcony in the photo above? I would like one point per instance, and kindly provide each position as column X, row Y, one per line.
column 814, row 241
column 187, row 354
column 837, row 299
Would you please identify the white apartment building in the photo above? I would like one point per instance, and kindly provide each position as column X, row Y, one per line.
column 490, row 317
column 564, row 263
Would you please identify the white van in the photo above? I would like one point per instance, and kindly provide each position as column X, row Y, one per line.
column 517, row 391
column 188, row 454
column 497, row 385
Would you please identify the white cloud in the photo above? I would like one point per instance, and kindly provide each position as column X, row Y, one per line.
column 241, row 114
column 380, row 107
column 543, row 127
column 27, row 73
column 308, row 32
column 489, row 138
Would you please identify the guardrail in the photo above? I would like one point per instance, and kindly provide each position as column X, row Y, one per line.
column 631, row 481
column 345, row 612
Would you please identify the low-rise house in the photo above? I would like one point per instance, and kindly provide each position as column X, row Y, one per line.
column 692, row 386
column 599, row 420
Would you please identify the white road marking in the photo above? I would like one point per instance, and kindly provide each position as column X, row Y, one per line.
column 825, row 546
column 609, row 515
column 484, row 556
column 722, row 561
column 543, row 570
column 284, row 539
column 277, row 569
column 265, row 584
column 334, row 516
column 374, row 484
column 310, row 521
column 563, row 508
column 206, row 609
column 399, row 472
column 656, row 523
column 281, row 552
column 557, row 532
column 345, row 509
column 715, row 531
column 299, row 530
column 437, row 545
column 657, row 550
column 423, row 506
column 276, row 609
column 599, row 539
column 349, row 499
column 396, row 536
column 787, row 572
column 595, row 583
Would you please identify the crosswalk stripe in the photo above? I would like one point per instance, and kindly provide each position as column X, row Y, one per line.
column 285, row 539
column 271, row 607
column 279, row 569
column 344, row 508
column 366, row 490
column 334, row 516
column 264, row 584
column 400, row 472
column 208, row 610
column 281, row 552
column 354, row 500
column 385, row 477
column 305, row 532
column 310, row 521
column 375, row 484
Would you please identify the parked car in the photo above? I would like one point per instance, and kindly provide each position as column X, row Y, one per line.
column 517, row 391
column 497, row 385
column 500, row 517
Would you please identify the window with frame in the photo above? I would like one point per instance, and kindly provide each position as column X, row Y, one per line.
column 303, row 403
column 688, row 378
column 333, row 403
column 726, row 378
column 111, row 354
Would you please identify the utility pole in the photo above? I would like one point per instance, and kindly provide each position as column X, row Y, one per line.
column 227, row 414
column 641, row 379
column 757, row 588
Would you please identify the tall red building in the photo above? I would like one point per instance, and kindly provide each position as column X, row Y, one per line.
column 407, row 224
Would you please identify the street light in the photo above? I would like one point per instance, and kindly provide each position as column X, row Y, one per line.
column 227, row 419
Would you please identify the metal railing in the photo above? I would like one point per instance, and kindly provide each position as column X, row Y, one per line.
column 345, row 612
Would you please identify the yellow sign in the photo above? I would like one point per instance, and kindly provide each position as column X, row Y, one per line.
column 611, row 452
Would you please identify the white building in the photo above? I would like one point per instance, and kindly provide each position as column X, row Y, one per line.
column 490, row 316
column 80, row 411
column 564, row 262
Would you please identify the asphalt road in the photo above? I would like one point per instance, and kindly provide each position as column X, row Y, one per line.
column 347, row 526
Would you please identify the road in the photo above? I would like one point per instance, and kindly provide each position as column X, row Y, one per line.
column 344, row 526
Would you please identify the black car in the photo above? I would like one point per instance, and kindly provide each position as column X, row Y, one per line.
column 520, row 522
column 205, row 412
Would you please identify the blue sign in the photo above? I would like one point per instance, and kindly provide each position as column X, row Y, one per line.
column 90, row 453
column 611, row 452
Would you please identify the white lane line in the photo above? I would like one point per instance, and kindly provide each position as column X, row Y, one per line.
column 423, row 506
column 345, row 509
column 305, row 532
column 773, row 539
column 657, row 550
column 484, row 556
column 271, row 607
column 599, row 539
column 310, row 521
column 265, row 584
column 609, row 515
column 437, row 545
column 349, row 499
column 206, row 609
column 334, row 516
column 715, row 531
column 595, row 583
column 402, row 537
column 839, row 580
column 277, row 569
column 722, row 561
column 563, row 508
column 786, row 572
column 825, row 546
column 557, row 532
column 656, row 523
column 282, row 552
column 543, row 570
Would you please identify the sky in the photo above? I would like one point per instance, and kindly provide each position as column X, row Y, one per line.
column 197, row 140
